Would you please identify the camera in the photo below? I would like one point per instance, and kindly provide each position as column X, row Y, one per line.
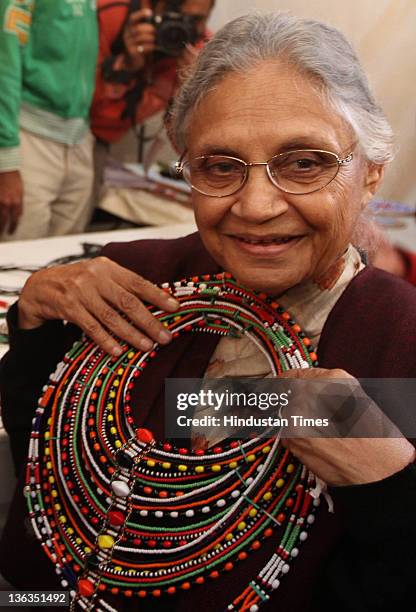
column 174, row 31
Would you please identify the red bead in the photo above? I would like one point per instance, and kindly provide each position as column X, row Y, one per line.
column 199, row 452
column 242, row 556
column 171, row 590
column 183, row 451
column 281, row 517
column 217, row 449
column 200, row 580
column 94, row 520
column 167, row 447
column 214, row 574
column 167, row 544
column 234, row 444
column 128, row 593
column 256, row 545
column 228, row 566
column 86, row 588
column 186, row 586
column 268, row 532
column 151, row 543
column 137, row 541
column 144, row 435
column 147, row 490
column 142, row 593
column 114, row 591
column 116, row 518
column 289, row 502
column 163, row 494
column 157, row 593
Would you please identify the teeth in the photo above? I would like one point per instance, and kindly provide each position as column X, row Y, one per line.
column 272, row 241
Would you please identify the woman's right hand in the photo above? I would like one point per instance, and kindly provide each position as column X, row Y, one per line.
column 91, row 294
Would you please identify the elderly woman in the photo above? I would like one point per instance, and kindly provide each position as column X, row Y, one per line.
column 283, row 145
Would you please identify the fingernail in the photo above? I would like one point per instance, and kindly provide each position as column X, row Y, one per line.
column 165, row 337
column 117, row 351
column 146, row 344
column 172, row 303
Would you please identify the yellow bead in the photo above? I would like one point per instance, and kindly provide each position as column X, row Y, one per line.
column 78, row 541
column 113, row 430
column 110, row 418
column 105, row 541
column 110, row 406
column 267, row 449
column 87, row 550
column 151, row 463
column 182, row 468
column 250, row 458
column 118, row 568
column 57, row 507
column 177, row 318
column 116, row 383
column 51, row 479
column 165, row 324
column 252, row 512
column 130, row 355
column 267, row 496
column 62, row 519
column 118, row 444
column 49, row 421
column 199, row 469
column 54, row 493
column 229, row 537
column 70, row 531
column 47, row 451
column 280, row 483
column 47, row 435
column 290, row 468
column 216, row 468
column 49, row 465
column 166, row 465
column 242, row 525
column 112, row 394
column 120, row 371
column 232, row 465
column 217, row 546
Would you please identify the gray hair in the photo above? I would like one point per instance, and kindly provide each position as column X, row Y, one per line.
column 314, row 48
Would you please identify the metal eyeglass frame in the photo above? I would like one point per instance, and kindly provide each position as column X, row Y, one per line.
column 179, row 168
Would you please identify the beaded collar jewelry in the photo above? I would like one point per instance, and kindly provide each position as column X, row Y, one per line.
column 117, row 511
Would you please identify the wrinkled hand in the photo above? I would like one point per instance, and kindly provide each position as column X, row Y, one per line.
column 11, row 200
column 90, row 294
column 346, row 461
column 139, row 38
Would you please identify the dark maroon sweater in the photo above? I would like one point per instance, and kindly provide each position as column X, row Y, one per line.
column 362, row 558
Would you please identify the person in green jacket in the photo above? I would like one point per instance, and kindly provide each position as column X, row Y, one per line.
column 48, row 54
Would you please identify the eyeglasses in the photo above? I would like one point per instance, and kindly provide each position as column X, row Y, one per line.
column 297, row 172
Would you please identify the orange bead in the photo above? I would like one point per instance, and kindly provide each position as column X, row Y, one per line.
column 228, row 566
column 186, row 586
column 86, row 588
column 306, row 342
column 281, row 517
column 157, row 593
column 296, row 328
column 114, row 591
column 214, row 574
column 171, row 590
column 242, row 556
column 128, row 593
column 200, row 580
column 313, row 356
column 268, row 532
column 142, row 593
column 256, row 545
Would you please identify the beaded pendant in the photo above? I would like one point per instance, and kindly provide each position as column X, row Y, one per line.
column 117, row 511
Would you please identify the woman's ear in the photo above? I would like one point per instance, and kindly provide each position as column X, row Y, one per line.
column 373, row 177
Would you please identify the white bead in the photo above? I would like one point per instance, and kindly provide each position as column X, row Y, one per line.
column 310, row 519
column 254, row 608
column 235, row 493
column 303, row 536
column 221, row 503
column 294, row 552
column 120, row 488
column 205, row 509
column 174, row 514
column 316, row 502
column 189, row 513
column 144, row 512
column 275, row 584
column 72, row 593
column 249, row 480
column 159, row 513
column 285, row 568
column 64, row 583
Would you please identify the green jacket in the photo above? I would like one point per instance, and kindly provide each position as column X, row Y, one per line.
column 48, row 54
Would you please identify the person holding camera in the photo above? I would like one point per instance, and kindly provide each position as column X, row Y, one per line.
column 144, row 48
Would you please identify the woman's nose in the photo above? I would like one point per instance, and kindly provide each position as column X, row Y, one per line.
column 259, row 200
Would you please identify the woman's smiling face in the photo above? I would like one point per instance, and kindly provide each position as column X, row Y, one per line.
column 268, row 239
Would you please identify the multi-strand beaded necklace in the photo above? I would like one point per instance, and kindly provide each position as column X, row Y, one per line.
column 118, row 512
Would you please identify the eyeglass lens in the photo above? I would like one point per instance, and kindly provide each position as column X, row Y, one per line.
column 295, row 172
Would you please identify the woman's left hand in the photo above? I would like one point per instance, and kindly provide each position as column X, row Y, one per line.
column 342, row 460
